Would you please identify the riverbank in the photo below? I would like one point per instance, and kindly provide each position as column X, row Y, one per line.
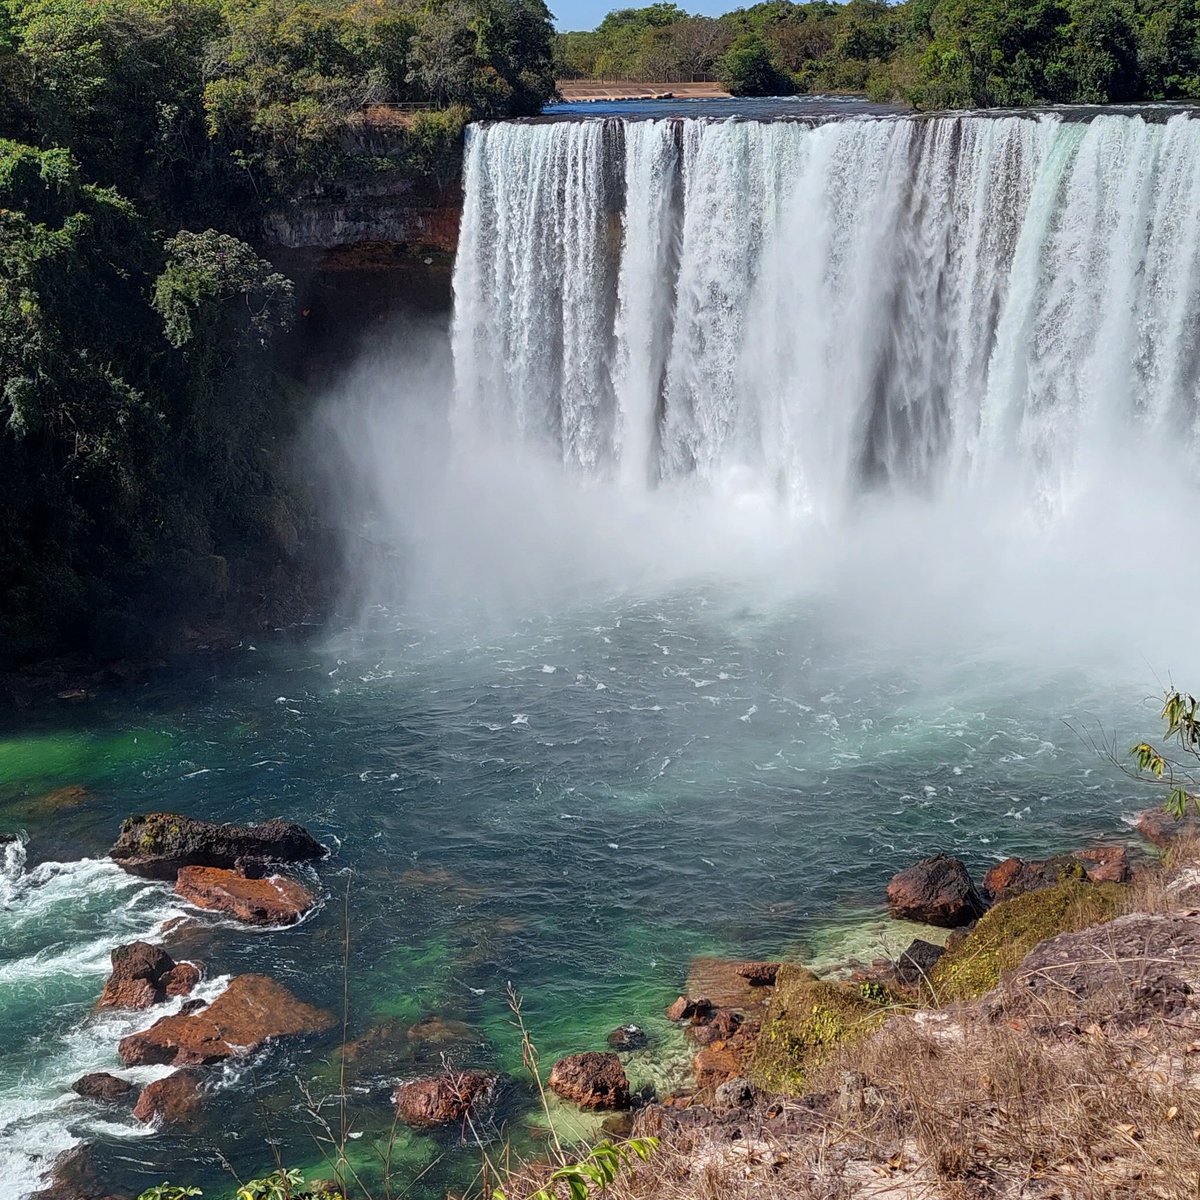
column 1073, row 1075
column 1049, row 1042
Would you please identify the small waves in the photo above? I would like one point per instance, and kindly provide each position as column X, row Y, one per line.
column 58, row 925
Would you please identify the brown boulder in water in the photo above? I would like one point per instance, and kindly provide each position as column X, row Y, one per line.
column 100, row 1085
column 174, row 1100
column 159, row 845
column 935, row 891
column 591, row 1080
column 251, row 1011
column 144, row 975
column 442, row 1099
column 274, row 900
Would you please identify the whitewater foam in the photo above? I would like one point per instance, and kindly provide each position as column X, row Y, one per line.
column 58, row 925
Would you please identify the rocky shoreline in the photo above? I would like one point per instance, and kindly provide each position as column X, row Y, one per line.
column 763, row 1035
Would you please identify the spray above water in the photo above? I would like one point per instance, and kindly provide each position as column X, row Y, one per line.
column 952, row 361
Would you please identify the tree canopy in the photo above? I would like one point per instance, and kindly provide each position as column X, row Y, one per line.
column 929, row 53
column 143, row 415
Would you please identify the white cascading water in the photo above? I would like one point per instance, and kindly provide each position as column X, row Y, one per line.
column 819, row 309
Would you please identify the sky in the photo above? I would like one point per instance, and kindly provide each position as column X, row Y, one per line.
column 570, row 15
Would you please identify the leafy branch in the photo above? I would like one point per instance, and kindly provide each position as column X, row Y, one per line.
column 1183, row 731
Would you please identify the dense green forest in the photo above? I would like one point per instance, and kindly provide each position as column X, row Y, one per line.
column 929, row 53
column 144, row 420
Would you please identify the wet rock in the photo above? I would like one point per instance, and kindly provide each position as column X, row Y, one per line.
column 435, row 1033
column 1158, row 826
column 687, row 1009
column 442, row 1099
column 1017, row 877
column 74, row 1177
column 936, row 891
column 144, row 975
column 174, row 1100
column 716, row 1065
column 159, row 845
column 1105, row 864
column 181, row 979
column 734, row 1093
column 758, row 974
column 591, row 1080
column 100, row 1085
column 628, row 1037
column 251, row 1011
column 915, row 963
column 721, row 1025
column 273, row 900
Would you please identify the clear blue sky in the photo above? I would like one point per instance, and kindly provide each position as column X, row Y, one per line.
column 570, row 15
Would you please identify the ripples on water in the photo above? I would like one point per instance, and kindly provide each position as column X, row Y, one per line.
column 578, row 806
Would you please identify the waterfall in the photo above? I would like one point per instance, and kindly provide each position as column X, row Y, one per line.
column 828, row 308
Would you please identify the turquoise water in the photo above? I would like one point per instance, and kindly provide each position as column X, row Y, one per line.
column 577, row 804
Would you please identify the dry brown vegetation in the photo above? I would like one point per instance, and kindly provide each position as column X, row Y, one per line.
column 1075, row 1079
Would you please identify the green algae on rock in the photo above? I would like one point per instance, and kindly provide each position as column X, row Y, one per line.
column 807, row 1020
column 1006, row 933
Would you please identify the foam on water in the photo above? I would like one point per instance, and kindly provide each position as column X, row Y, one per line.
column 58, row 924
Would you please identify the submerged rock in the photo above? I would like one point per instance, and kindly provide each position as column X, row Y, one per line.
column 174, row 1100
column 688, row 1009
column 273, row 900
column 158, row 845
column 144, row 975
column 935, row 891
column 628, row 1037
column 442, row 1099
column 100, row 1085
column 251, row 1011
column 591, row 1080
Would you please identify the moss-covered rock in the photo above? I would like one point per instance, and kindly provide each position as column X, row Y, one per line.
column 1006, row 933
column 807, row 1020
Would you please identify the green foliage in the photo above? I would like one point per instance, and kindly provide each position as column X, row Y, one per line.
column 932, row 53
column 280, row 1184
column 1183, row 729
column 597, row 1171
column 142, row 142
column 746, row 69
column 1007, row 932
column 217, row 285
